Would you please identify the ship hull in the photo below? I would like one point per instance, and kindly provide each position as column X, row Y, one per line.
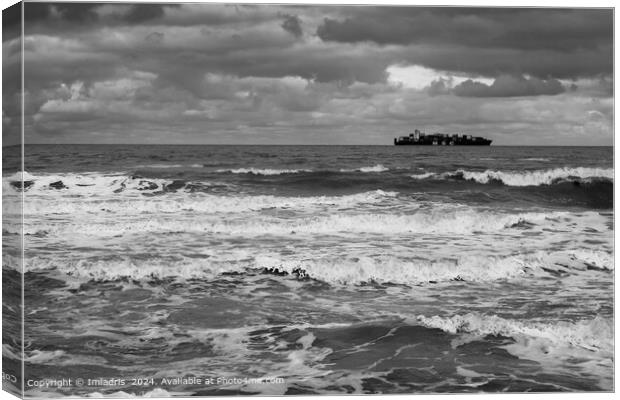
column 441, row 140
column 485, row 143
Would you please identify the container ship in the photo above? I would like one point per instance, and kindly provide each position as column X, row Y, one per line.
column 441, row 139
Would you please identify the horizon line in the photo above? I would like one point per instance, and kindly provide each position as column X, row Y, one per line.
column 286, row 144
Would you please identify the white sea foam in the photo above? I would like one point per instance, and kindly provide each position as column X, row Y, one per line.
column 539, row 177
column 334, row 270
column 466, row 221
column 43, row 357
column 384, row 269
column 200, row 202
column 587, row 345
column 523, row 178
column 374, row 168
column 166, row 166
column 595, row 334
column 263, row 171
column 19, row 176
column 597, row 259
column 424, row 175
column 85, row 183
column 61, row 358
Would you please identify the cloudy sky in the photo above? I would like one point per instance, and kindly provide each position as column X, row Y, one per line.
column 254, row 74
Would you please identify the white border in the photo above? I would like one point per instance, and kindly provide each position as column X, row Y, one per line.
column 462, row 3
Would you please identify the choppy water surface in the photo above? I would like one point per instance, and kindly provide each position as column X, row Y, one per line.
column 321, row 269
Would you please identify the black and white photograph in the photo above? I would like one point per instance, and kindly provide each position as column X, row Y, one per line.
column 223, row 199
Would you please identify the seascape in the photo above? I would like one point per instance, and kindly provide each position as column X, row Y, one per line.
column 315, row 269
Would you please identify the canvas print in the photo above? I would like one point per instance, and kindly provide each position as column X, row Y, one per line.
column 206, row 199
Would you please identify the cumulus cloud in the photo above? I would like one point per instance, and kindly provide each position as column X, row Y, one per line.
column 509, row 86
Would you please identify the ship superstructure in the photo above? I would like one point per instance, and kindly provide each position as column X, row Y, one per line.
column 441, row 139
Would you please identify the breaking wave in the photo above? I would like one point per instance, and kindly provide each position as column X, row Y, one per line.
column 465, row 221
column 271, row 171
column 374, row 168
column 541, row 159
column 595, row 334
column 204, row 203
column 166, row 166
column 265, row 171
column 526, row 178
column 91, row 183
column 332, row 270
column 424, row 175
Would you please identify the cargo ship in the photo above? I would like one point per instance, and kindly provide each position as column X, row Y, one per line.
column 441, row 139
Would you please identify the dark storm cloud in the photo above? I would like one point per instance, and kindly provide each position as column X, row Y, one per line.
column 77, row 12
column 292, row 24
column 69, row 12
column 45, row 15
column 144, row 12
column 541, row 42
column 561, row 43
column 509, row 86
column 518, row 28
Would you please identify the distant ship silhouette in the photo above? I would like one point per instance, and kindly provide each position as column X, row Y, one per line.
column 440, row 139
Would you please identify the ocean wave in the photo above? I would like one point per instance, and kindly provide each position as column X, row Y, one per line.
column 595, row 334
column 94, row 183
column 85, row 183
column 374, row 168
column 203, row 203
column 524, row 178
column 166, row 166
column 439, row 221
column 264, row 171
column 388, row 269
column 272, row 171
column 593, row 259
column 537, row 178
column 332, row 270
column 587, row 344
column 424, row 175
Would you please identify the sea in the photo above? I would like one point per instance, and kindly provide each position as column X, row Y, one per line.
column 225, row 270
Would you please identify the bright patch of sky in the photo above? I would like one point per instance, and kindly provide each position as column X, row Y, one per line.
column 418, row 77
